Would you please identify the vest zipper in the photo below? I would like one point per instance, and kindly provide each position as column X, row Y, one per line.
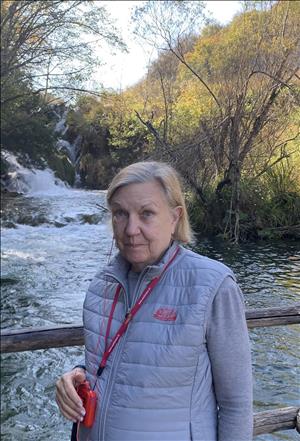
column 115, row 363
column 110, row 380
column 137, row 288
column 191, row 432
column 109, row 388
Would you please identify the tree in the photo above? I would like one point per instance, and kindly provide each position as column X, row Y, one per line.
column 47, row 52
column 246, row 73
column 111, row 137
column 50, row 44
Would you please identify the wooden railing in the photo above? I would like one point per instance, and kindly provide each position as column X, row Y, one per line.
column 275, row 420
column 28, row 339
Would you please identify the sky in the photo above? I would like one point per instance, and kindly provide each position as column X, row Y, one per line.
column 124, row 69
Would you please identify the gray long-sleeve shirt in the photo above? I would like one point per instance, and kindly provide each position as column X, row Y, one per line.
column 229, row 353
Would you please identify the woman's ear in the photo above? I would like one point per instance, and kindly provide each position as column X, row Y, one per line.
column 176, row 212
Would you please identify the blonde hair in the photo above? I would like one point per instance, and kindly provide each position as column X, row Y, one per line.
column 168, row 178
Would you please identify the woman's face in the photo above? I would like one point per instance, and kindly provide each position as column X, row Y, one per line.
column 143, row 222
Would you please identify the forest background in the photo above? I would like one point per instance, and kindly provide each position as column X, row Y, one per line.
column 220, row 103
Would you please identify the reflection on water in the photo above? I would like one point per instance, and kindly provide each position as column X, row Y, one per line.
column 265, row 272
column 51, row 248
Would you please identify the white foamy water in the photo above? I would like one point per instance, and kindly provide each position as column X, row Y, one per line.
column 44, row 182
column 10, row 254
column 37, row 182
column 72, row 150
column 32, row 181
column 61, row 126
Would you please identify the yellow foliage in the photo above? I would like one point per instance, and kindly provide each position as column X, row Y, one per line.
column 240, row 59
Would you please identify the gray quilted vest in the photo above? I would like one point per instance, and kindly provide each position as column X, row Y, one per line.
column 157, row 385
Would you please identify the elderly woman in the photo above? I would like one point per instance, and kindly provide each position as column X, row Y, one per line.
column 166, row 343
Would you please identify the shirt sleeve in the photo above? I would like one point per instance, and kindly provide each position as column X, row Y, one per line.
column 229, row 352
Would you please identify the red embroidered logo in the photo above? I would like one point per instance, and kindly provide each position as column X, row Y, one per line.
column 165, row 314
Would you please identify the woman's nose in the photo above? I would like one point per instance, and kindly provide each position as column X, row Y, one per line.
column 132, row 226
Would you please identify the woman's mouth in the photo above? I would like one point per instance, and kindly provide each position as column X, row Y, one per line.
column 136, row 245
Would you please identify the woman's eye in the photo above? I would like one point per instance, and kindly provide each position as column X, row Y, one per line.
column 119, row 214
column 147, row 213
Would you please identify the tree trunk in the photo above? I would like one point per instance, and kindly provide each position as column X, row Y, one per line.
column 232, row 227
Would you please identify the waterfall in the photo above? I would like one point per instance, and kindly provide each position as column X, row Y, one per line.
column 61, row 126
column 27, row 181
column 72, row 150
column 22, row 180
column 65, row 147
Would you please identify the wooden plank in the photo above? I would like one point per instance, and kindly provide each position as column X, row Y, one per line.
column 274, row 420
column 273, row 312
column 273, row 316
column 29, row 339
column 273, row 321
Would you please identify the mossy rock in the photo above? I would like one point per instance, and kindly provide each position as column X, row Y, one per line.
column 62, row 167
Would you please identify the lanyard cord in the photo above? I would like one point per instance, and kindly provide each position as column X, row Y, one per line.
column 129, row 315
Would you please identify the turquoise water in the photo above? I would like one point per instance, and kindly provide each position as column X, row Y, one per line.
column 52, row 245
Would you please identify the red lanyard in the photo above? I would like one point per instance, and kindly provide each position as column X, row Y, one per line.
column 130, row 314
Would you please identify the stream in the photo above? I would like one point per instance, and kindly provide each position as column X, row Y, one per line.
column 54, row 241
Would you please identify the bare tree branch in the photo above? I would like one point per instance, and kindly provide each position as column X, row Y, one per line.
column 168, row 149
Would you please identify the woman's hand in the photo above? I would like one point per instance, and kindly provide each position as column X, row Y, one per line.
column 68, row 400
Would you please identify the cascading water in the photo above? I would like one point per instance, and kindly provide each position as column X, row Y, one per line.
column 61, row 126
column 23, row 180
column 52, row 245
column 73, row 153
column 72, row 150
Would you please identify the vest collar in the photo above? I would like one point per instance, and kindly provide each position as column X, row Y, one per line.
column 118, row 267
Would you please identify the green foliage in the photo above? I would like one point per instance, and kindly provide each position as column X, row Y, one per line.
column 230, row 110
column 27, row 127
column 283, row 178
column 269, row 207
column 282, row 209
column 111, row 137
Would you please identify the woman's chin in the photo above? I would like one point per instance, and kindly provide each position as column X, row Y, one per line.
column 138, row 259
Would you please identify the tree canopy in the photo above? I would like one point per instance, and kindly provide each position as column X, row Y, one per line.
column 236, row 91
column 50, row 45
column 48, row 51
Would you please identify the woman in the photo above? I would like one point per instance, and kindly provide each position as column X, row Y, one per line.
column 181, row 368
